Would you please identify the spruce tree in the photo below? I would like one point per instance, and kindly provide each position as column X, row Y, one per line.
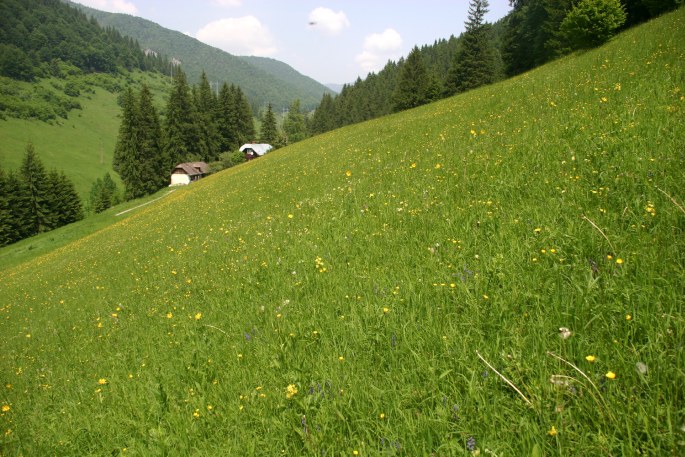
column 227, row 119
column 294, row 126
column 126, row 159
column 206, row 108
column 6, row 232
column 154, row 173
column 324, row 117
column 183, row 139
column 474, row 63
column 35, row 183
column 72, row 208
column 18, row 200
column 415, row 86
column 269, row 130
column 244, row 117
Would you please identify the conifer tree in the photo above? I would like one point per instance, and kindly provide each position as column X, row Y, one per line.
column 182, row 134
column 18, row 201
column 294, row 126
column 6, row 232
column 72, row 208
column 206, row 108
column 227, row 118
column 244, row 117
column 154, row 173
column 415, row 86
column 324, row 118
column 474, row 63
column 269, row 130
column 126, row 160
column 35, row 183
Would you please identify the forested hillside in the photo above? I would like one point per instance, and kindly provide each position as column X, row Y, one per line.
column 36, row 36
column 263, row 82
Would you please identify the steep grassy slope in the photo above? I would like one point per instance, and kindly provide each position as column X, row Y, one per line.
column 81, row 145
column 335, row 296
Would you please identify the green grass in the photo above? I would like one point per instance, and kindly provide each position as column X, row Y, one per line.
column 365, row 267
column 81, row 145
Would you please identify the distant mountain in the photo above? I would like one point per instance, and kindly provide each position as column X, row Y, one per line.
column 263, row 80
column 337, row 88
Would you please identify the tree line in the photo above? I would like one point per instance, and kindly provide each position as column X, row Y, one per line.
column 33, row 200
column 37, row 35
column 533, row 33
column 198, row 125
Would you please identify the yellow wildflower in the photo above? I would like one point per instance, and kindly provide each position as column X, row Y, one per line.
column 552, row 431
column 290, row 391
column 198, row 316
column 619, row 261
column 5, row 408
column 102, row 381
column 610, row 375
column 590, row 358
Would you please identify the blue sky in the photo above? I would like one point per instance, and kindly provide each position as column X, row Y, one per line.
column 331, row 41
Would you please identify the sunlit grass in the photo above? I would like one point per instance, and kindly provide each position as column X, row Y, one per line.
column 333, row 297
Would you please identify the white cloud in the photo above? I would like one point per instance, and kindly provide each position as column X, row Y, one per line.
column 113, row 6
column 227, row 3
column 378, row 49
column 328, row 20
column 239, row 36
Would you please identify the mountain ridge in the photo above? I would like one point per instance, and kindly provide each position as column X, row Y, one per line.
column 261, row 80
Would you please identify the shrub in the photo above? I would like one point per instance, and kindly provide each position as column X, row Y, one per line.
column 592, row 22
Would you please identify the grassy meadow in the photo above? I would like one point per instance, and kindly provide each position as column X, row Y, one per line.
column 82, row 145
column 500, row 273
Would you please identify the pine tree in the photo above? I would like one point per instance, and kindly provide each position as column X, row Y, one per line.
column 206, row 108
column 294, row 125
column 35, row 182
column 244, row 117
column 474, row 63
column 18, row 201
column 324, row 118
column 154, row 173
column 181, row 131
column 6, row 232
column 227, row 116
column 126, row 159
column 269, row 132
column 72, row 208
column 415, row 86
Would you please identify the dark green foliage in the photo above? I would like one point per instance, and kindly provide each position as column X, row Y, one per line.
column 245, row 119
column 103, row 194
column 325, row 116
column 35, row 182
column 206, row 106
column 17, row 203
column 34, row 201
column 36, row 32
column 125, row 160
column 416, row 86
column 155, row 170
column 63, row 202
column 294, row 124
column 6, row 230
column 592, row 22
column 138, row 155
column 474, row 63
column 269, row 131
column 183, row 138
column 227, row 119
